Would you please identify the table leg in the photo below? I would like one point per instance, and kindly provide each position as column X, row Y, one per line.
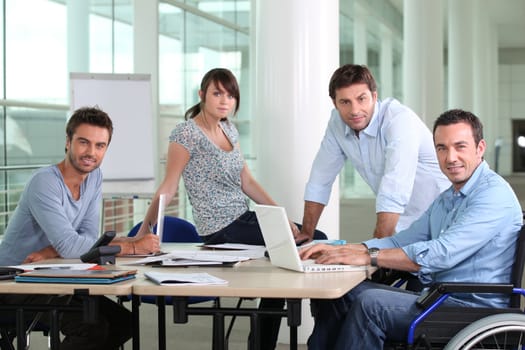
column 218, row 331
column 161, row 319
column 54, row 331
column 294, row 320
column 20, row 329
column 135, row 304
column 255, row 338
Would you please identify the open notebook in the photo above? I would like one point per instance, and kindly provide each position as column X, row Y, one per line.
column 281, row 246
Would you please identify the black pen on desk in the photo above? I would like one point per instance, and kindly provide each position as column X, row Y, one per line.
column 52, row 268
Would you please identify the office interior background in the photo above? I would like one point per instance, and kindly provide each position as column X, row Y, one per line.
column 430, row 54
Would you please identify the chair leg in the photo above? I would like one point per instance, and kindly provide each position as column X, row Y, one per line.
column 6, row 340
column 232, row 321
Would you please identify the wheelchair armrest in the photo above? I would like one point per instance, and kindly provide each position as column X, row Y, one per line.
column 431, row 295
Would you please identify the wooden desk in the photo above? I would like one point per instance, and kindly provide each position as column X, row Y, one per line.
column 11, row 287
column 251, row 279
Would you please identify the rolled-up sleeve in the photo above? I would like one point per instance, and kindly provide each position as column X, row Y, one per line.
column 327, row 164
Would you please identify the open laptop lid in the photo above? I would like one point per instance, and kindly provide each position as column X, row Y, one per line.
column 278, row 237
column 160, row 217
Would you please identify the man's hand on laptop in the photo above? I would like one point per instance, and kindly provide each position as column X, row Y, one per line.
column 349, row 254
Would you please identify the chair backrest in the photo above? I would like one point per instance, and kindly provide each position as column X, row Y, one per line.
column 175, row 230
column 518, row 267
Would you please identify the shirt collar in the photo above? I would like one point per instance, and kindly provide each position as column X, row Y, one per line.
column 471, row 183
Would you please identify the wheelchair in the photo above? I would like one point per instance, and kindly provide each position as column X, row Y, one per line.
column 460, row 328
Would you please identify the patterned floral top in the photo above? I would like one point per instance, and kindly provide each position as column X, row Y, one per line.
column 212, row 177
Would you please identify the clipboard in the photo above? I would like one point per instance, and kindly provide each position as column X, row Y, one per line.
column 76, row 276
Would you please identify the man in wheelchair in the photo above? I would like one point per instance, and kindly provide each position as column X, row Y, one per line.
column 468, row 234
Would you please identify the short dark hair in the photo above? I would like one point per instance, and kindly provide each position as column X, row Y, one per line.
column 216, row 76
column 350, row 74
column 89, row 115
column 455, row 116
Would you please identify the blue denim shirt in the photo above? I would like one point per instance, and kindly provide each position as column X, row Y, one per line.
column 465, row 236
column 394, row 154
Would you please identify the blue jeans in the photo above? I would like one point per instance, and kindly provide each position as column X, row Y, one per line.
column 365, row 317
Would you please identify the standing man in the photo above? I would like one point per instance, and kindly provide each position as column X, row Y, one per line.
column 468, row 234
column 58, row 215
column 386, row 142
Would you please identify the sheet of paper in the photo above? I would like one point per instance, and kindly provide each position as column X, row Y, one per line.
column 170, row 278
column 31, row 267
column 202, row 255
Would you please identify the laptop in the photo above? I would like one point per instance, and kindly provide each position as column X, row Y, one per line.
column 281, row 246
column 160, row 217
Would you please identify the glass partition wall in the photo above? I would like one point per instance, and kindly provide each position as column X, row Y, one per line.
column 43, row 41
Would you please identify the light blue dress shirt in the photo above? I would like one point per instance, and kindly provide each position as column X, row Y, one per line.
column 394, row 154
column 465, row 236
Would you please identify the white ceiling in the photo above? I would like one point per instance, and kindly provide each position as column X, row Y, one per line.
column 507, row 15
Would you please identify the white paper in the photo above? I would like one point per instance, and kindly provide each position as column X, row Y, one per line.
column 31, row 267
column 198, row 255
column 170, row 278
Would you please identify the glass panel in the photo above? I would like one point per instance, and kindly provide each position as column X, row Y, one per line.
column 234, row 11
column 36, row 56
column 36, row 136
column 12, row 185
column 111, row 42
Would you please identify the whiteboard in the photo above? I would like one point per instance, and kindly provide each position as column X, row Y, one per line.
column 126, row 98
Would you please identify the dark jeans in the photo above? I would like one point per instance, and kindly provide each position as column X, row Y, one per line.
column 246, row 230
column 112, row 329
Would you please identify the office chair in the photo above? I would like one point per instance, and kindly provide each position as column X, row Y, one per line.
column 8, row 331
column 180, row 231
column 437, row 325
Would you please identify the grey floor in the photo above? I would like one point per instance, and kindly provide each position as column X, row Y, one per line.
column 196, row 334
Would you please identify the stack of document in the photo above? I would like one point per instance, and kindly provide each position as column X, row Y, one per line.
column 170, row 278
column 202, row 257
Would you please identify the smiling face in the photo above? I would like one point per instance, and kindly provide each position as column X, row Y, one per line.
column 87, row 147
column 457, row 152
column 355, row 104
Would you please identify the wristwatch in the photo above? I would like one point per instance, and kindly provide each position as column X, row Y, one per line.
column 373, row 252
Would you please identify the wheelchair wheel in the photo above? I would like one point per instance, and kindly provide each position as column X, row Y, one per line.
column 502, row 331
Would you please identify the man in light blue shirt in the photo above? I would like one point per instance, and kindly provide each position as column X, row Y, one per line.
column 388, row 145
column 468, row 234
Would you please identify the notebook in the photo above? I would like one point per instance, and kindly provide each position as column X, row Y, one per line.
column 75, row 276
column 281, row 246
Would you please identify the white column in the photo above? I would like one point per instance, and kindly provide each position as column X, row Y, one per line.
column 297, row 50
column 482, row 79
column 360, row 43
column 423, row 58
column 386, row 69
column 78, row 36
column 146, row 60
column 460, row 54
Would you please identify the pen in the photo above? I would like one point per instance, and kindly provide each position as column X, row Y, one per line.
column 331, row 241
column 52, row 268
